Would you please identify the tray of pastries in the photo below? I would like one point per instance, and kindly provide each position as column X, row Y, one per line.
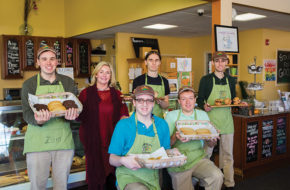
column 227, row 102
column 160, row 159
column 57, row 103
column 197, row 129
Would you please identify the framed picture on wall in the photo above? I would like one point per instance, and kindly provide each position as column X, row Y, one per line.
column 226, row 38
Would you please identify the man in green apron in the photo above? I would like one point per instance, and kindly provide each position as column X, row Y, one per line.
column 197, row 165
column 48, row 141
column 159, row 84
column 142, row 133
column 219, row 85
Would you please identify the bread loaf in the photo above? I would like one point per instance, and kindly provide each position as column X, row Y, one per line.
column 188, row 131
column 203, row 131
column 55, row 106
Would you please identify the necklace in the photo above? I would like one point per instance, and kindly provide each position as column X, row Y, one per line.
column 102, row 89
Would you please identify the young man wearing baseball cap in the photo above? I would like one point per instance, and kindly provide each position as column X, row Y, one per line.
column 197, row 164
column 142, row 133
column 48, row 141
column 219, row 85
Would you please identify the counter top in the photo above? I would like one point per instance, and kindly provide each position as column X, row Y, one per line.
column 266, row 113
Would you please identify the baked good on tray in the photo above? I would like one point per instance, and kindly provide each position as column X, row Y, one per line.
column 39, row 107
column 188, row 131
column 203, row 131
column 218, row 102
column 55, row 106
column 69, row 104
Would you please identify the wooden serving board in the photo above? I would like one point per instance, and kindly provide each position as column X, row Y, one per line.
column 231, row 105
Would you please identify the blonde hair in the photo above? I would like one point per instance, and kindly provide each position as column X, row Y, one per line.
column 112, row 81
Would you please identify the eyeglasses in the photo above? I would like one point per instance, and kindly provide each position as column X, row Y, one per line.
column 141, row 101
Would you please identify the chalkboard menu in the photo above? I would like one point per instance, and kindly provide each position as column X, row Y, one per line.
column 12, row 57
column 69, row 54
column 281, row 135
column 283, row 66
column 267, row 138
column 29, row 53
column 252, row 141
column 83, row 58
column 144, row 42
column 57, row 47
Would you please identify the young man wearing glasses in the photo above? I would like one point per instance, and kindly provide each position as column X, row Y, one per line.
column 197, row 165
column 219, row 85
column 142, row 133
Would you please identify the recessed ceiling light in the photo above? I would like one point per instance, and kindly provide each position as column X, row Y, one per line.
column 248, row 16
column 160, row 26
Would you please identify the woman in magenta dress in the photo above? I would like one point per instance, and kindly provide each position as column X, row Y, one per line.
column 102, row 109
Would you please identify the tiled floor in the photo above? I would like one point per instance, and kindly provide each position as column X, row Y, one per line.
column 277, row 179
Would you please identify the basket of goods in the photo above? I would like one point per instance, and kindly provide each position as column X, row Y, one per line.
column 160, row 159
column 56, row 103
column 197, row 129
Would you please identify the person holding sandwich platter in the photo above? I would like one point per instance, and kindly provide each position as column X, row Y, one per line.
column 214, row 88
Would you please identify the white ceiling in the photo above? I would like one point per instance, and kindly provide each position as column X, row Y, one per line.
column 190, row 24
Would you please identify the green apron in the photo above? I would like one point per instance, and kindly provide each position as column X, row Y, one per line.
column 55, row 134
column 149, row 177
column 157, row 110
column 192, row 149
column 221, row 117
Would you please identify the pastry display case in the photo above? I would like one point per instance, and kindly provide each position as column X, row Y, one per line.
column 13, row 170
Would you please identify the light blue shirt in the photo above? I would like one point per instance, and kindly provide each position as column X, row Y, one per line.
column 125, row 133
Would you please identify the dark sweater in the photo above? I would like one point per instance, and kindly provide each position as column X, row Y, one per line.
column 29, row 86
column 140, row 80
column 206, row 84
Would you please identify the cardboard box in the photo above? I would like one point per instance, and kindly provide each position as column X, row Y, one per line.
column 169, row 64
column 143, row 51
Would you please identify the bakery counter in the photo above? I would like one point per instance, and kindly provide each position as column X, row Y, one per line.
column 261, row 142
column 13, row 170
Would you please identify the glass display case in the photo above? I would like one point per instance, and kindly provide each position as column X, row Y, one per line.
column 13, row 171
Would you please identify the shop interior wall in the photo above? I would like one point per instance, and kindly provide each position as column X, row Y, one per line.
column 48, row 20
column 90, row 15
column 252, row 43
column 169, row 46
column 279, row 40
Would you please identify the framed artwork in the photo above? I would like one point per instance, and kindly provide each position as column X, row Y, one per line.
column 226, row 38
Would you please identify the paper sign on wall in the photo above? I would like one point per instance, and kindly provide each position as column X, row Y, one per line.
column 69, row 71
column 184, row 64
column 270, row 69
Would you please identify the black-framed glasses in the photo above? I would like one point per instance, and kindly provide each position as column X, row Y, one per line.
column 141, row 101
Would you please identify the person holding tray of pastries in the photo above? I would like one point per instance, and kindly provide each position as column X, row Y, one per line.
column 48, row 141
column 142, row 133
column 197, row 164
column 159, row 84
column 215, row 86
column 102, row 109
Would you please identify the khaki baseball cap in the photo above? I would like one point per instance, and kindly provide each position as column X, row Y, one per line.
column 143, row 90
column 219, row 55
column 185, row 89
column 44, row 49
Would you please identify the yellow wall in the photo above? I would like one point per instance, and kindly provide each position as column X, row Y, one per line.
column 199, row 46
column 252, row 43
column 90, row 15
column 48, row 20
column 278, row 40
